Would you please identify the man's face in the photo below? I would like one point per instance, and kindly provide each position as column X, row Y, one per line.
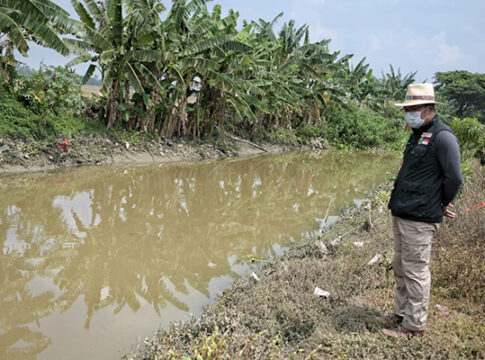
column 423, row 109
column 414, row 108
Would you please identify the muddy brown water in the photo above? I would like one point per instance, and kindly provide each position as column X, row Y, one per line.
column 96, row 259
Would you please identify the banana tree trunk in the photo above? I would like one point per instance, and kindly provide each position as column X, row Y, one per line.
column 112, row 105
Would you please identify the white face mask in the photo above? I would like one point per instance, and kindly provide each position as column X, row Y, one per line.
column 413, row 119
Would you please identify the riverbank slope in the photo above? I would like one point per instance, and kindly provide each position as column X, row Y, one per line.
column 275, row 314
column 17, row 155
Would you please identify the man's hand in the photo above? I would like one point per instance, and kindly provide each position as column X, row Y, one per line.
column 447, row 211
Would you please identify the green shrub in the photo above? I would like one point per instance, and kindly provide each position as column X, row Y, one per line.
column 16, row 119
column 471, row 135
column 308, row 132
column 364, row 129
column 283, row 135
column 46, row 103
column 52, row 91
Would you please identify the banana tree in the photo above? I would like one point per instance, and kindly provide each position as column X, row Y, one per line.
column 202, row 46
column 22, row 21
column 114, row 44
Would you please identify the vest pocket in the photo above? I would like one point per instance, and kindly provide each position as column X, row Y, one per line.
column 409, row 199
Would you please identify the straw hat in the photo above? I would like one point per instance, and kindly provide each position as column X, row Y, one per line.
column 419, row 94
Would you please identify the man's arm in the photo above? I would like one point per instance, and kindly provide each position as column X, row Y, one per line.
column 448, row 153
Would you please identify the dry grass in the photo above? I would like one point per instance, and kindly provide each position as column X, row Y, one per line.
column 90, row 89
column 280, row 318
column 459, row 270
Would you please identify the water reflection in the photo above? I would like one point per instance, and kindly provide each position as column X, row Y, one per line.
column 99, row 245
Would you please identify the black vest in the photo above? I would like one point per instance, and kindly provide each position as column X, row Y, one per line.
column 417, row 189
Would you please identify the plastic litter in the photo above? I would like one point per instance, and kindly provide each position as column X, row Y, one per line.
column 255, row 277
column 321, row 293
column 374, row 260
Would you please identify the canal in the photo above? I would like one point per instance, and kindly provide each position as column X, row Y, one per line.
column 94, row 259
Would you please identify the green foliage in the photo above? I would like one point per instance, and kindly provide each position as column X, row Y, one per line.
column 363, row 129
column 283, row 136
column 25, row 70
column 305, row 133
column 471, row 136
column 389, row 89
column 467, row 90
column 52, row 91
column 18, row 119
column 15, row 119
column 396, row 84
column 447, row 108
column 29, row 20
column 241, row 78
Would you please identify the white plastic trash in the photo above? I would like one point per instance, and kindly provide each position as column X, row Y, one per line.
column 374, row 260
column 321, row 293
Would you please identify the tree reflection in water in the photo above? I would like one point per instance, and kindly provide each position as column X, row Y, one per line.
column 125, row 237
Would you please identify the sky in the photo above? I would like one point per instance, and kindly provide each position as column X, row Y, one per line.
column 426, row 36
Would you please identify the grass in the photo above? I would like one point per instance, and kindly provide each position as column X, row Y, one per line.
column 280, row 318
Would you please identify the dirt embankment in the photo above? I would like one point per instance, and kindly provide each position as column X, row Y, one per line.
column 18, row 156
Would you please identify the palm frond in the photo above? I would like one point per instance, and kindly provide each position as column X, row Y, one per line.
column 42, row 33
column 26, row 7
column 96, row 12
column 78, row 60
column 206, row 44
column 89, row 73
column 195, row 4
column 13, row 30
column 84, row 15
column 76, row 46
column 115, row 15
column 134, row 79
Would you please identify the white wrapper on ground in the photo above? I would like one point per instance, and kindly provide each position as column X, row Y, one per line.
column 321, row 293
column 255, row 277
column 359, row 244
column 374, row 260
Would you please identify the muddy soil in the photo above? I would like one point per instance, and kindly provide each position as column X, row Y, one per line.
column 17, row 156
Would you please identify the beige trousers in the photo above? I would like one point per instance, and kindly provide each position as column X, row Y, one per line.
column 412, row 251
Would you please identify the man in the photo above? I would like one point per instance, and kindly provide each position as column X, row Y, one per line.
column 427, row 183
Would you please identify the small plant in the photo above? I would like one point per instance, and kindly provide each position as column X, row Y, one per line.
column 211, row 347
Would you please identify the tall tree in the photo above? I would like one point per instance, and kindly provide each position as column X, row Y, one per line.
column 110, row 41
column 466, row 89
